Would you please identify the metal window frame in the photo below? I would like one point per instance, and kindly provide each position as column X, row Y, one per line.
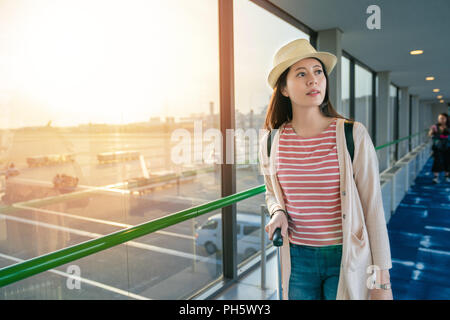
column 396, row 121
column 374, row 108
column 353, row 62
column 227, row 121
column 357, row 61
column 352, row 88
column 348, row 57
column 286, row 17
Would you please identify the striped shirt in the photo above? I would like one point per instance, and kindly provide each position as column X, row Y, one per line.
column 308, row 172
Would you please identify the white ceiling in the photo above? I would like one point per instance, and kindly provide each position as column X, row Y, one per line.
column 405, row 25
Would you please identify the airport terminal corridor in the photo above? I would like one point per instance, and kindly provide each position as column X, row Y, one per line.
column 145, row 145
column 419, row 234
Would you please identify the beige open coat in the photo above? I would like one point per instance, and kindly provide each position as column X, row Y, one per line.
column 365, row 237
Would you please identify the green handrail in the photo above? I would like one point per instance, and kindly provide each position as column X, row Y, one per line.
column 54, row 259
column 28, row 268
column 397, row 141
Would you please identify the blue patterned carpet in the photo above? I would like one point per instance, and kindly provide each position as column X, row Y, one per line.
column 419, row 234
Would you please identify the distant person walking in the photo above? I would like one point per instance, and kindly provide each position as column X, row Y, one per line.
column 441, row 147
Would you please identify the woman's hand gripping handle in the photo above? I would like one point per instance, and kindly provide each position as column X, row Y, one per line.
column 277, row 228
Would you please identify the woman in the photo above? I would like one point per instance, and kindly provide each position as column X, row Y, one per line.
column 330, row 212
column 440, row 132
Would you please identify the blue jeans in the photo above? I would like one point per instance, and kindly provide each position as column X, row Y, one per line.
column 314, row 272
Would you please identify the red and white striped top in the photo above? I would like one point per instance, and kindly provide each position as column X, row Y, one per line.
column 308, row 171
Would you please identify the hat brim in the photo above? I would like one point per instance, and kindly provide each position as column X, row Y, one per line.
column 329, row 60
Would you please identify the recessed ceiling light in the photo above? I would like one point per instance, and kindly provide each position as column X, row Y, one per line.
column 441, row 101
column 429, row 78
column 435, row 90
column 415, row 52
column 439, row 97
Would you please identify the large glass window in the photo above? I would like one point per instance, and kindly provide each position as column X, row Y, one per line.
column 401, row 124
column 108, row 111
column 393, row 121
column 410, row 132
column 345, row 86
column 363, row 97
column 258, row 34
column 374, row 112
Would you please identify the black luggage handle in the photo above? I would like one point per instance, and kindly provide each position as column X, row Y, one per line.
column 277, row 238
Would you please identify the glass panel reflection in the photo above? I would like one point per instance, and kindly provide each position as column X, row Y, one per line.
column 363, row 97
column 253, row 57
column 393, row 114
column 176, row 262
column 254, row 47
column 345, row 86
column 249, row 227
column 102, row 276
column 105, row 124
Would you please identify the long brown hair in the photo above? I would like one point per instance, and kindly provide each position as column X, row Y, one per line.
column 280, row 107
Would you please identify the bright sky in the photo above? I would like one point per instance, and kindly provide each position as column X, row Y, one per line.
column 121, row 61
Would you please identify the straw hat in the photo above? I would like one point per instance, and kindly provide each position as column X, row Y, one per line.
column 295, row 51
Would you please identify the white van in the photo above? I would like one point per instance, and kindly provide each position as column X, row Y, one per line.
column 209, row 234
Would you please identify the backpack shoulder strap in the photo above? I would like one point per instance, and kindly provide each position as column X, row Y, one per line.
column 348, row 126
column 269, row 143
